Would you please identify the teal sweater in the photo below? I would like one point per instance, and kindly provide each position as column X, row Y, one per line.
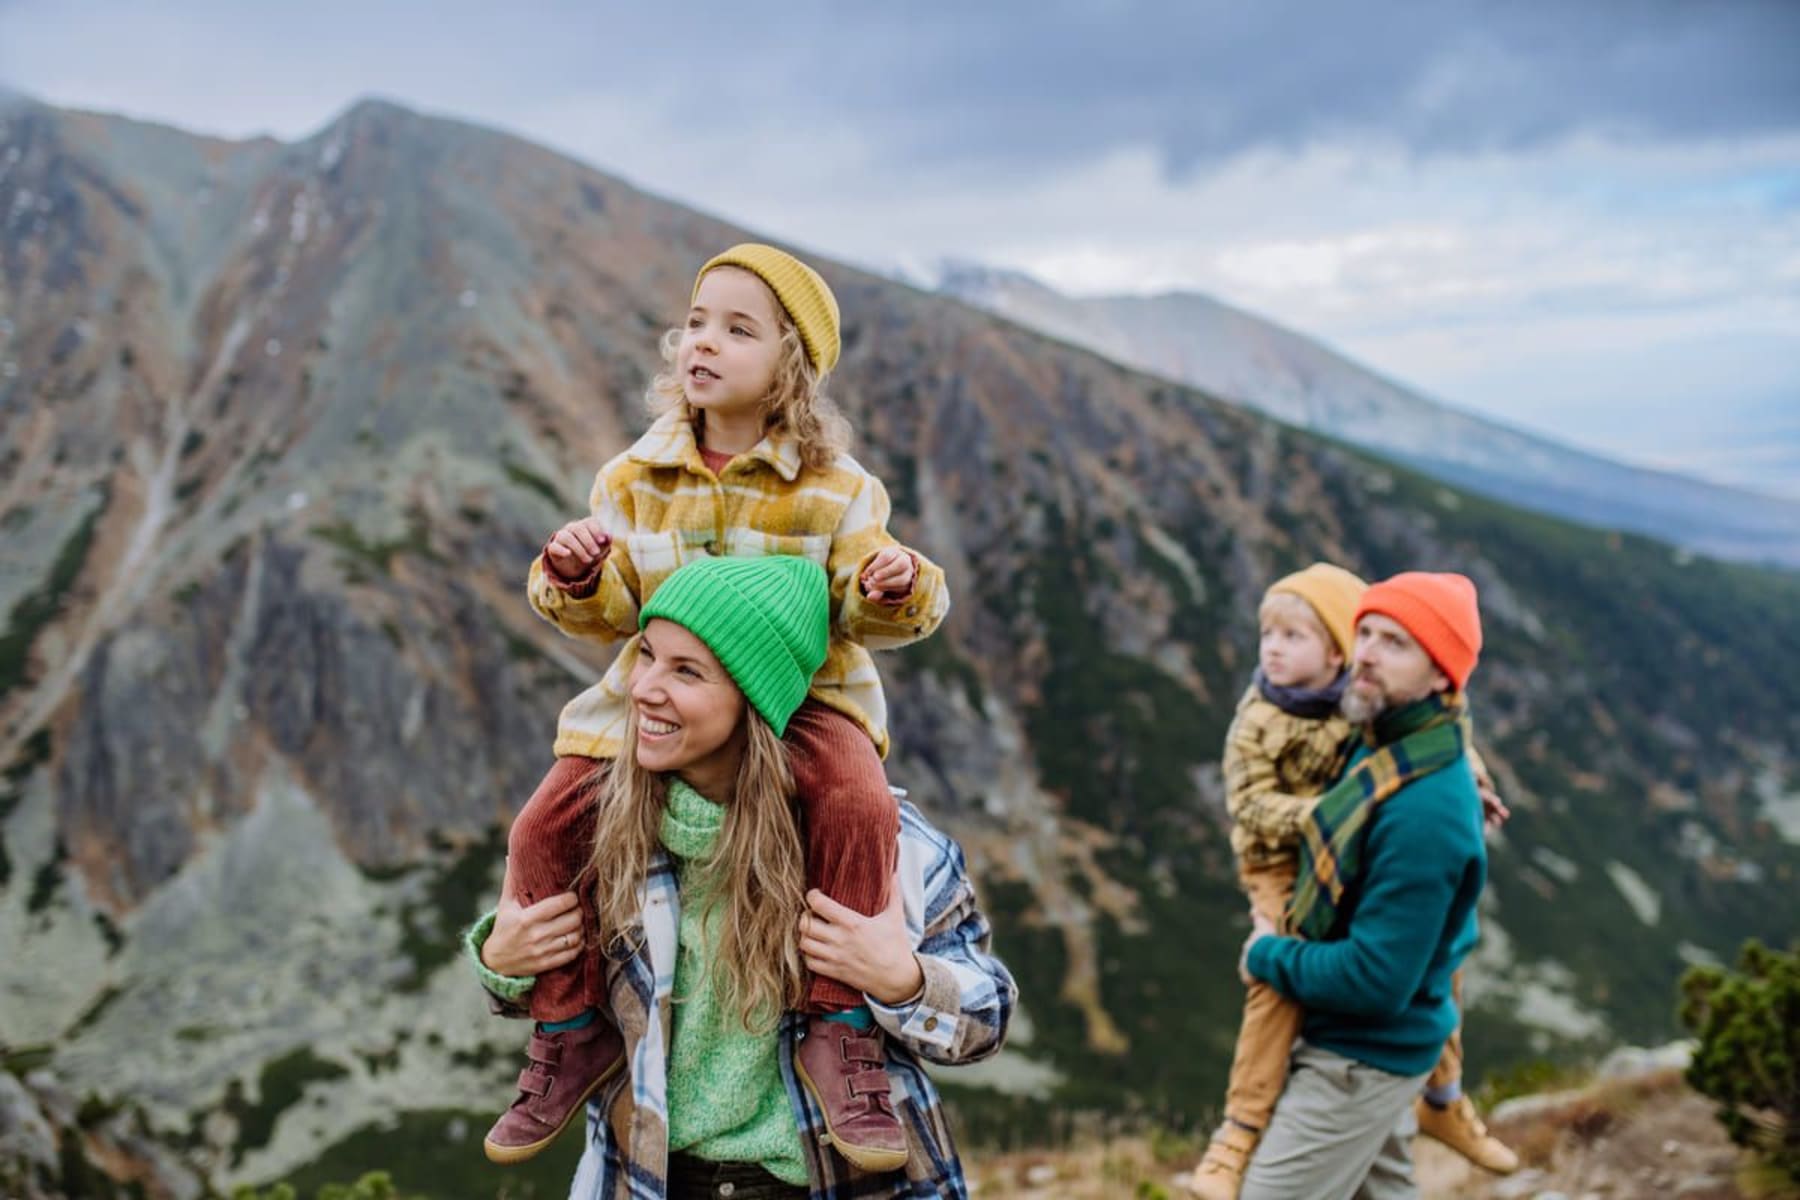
column 1380, row 994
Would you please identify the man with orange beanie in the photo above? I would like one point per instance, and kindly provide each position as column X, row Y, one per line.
column 1391, row 866
column 1286, row 746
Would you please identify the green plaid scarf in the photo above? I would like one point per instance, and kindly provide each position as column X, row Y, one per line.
column 1406, row 743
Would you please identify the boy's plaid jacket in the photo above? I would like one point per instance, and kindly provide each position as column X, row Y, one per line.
column 662, row 506
column 961, row 1017
column 1276, row 765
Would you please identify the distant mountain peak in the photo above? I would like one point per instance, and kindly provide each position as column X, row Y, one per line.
column 1259, row 364
column 955, row 272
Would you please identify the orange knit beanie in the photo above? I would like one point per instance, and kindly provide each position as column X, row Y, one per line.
column 1440, row 612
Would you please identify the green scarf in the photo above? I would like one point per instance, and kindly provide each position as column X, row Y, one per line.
column 1405, row 744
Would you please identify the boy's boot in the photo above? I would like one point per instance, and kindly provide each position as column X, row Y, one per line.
column 563, row 1070
column 1221, row 1170
column 845, row 1069
column 1459, row 1127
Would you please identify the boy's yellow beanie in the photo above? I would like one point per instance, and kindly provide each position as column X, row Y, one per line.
column 798, row 288
column 1333, row 594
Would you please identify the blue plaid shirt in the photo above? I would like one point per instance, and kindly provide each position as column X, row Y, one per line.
column 960, row 1016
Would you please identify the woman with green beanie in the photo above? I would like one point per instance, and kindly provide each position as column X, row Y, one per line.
column 709, row 934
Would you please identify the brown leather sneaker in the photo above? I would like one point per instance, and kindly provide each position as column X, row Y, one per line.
column 845, row 1069
column 564, row 1070
column 1458, row 1127
column 1221, row 1170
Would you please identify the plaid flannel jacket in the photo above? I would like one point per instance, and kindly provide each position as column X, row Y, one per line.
column 961, row 1017
column 1276, row 766
column 662, row 506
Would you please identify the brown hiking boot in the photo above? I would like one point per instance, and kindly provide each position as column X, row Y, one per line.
column 845, row 1069
column 1221, row 1170
column 564, row 1070
column 1458, row 1127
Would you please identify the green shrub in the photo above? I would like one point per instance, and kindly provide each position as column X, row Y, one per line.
column 376, row 1185
column 1748, row 1059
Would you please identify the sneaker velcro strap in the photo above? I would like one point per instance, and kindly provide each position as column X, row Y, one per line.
column 534, row 1083
column 866, row 1050
column 545, row 1050
column 868, row 1083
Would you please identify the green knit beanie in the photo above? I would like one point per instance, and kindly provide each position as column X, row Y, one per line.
column 766, row 619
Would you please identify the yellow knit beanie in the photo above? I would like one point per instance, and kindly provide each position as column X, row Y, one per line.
column 1333, row 594
column 807, row 298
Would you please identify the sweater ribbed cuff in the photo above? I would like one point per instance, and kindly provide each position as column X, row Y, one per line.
column 504, row 986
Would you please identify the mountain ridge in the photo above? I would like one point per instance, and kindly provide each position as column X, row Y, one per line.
column 1251, row 360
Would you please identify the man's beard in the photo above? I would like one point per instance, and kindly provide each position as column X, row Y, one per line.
column 1362, row 705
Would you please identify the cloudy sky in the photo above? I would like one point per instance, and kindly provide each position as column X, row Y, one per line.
column 1583, row 218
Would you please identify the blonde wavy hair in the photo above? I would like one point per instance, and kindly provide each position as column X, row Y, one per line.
column 755, row 876
column 796, row 407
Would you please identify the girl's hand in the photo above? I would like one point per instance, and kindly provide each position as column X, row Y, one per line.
column 577, row 546
column 874, row 954
column 529, row 940
column 889, row 577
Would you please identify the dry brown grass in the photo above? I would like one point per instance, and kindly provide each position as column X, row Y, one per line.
column 1648, row 1135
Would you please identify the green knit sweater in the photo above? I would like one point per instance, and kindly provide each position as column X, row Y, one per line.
column 727, row 1102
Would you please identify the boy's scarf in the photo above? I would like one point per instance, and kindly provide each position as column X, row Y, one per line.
column 1309, row 704
column 1405, row 743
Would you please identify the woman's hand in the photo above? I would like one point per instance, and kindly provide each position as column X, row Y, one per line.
column 529, row 940
column 874, row 954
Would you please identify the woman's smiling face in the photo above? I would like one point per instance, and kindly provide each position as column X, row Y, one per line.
column 689, row 711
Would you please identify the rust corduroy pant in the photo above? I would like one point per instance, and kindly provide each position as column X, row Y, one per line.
column 849, row 820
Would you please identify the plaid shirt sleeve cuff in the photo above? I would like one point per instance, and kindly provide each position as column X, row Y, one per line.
column 505, row 988
column 930, row 1018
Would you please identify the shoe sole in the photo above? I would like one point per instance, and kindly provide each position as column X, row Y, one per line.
column 506, row 1156
column 862, row 1157
column 1469, row 1158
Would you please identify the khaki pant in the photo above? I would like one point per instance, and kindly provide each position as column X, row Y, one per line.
column 1271, row 1022
column 1341, row 1131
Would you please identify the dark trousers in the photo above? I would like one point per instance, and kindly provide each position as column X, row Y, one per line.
column 693, row 1178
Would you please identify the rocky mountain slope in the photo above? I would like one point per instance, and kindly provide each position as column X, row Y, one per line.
column 1234, row 354
column 280, row 427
